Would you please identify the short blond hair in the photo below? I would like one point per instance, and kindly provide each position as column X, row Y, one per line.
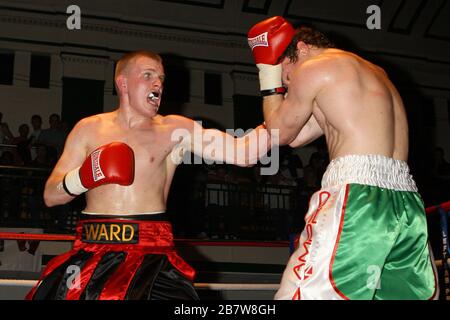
column 126, row 61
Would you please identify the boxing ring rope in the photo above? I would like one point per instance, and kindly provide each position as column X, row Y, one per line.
column 443, row 210
column 178, row 243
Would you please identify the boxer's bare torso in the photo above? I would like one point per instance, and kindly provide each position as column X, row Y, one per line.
column 154, row 168
column 152, row 144
column 352, row 102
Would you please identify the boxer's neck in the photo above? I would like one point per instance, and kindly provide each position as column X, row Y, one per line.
column 130, row 119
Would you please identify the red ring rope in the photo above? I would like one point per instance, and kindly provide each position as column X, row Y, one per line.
column 179, row 242
column 445, row 206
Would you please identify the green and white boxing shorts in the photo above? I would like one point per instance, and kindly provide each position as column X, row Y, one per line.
column 365, row 236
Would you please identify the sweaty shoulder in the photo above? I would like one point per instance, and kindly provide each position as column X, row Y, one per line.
column 316, row 71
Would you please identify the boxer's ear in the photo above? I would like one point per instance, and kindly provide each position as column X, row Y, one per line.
column 302, row 48
column 121, row 83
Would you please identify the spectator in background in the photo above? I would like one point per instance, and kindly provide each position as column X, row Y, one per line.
column 24, row 131
column 53, row 137
column 36, row 122
column 41, row 160
column 5, row 133
column 23, row 144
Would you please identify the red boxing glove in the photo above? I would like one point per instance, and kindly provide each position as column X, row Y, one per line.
column 268, row 40
column 111, row 163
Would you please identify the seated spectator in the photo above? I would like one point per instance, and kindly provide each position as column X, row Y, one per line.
column 53, row 136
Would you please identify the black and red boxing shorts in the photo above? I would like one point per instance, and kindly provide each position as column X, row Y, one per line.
column 118, row 258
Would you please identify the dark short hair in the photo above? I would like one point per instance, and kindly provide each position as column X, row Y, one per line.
column 309, row 36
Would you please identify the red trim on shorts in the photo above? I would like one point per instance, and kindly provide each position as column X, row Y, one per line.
column 302, row 259
column 341, row 225
column 297, row 295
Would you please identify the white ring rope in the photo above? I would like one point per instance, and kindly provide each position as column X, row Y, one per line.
column 209, row 286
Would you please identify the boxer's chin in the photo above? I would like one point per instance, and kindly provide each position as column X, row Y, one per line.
column 154, row 109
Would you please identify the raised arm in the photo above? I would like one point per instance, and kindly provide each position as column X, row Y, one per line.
column 291, row 112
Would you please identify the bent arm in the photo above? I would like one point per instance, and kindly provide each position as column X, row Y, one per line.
column 289, row 114
column 72, row 157
column 310, row 132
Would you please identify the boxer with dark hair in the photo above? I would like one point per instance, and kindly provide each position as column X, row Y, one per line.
column 366, row 231
column 125, row 161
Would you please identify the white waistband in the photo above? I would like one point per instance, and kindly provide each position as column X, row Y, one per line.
column 375, row 170
column 122, row 214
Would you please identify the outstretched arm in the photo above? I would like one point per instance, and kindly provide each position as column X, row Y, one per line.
column 217, row 146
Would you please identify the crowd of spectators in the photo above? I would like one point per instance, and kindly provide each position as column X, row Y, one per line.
column 206, row 201
column 26, row 160
column 40, row 147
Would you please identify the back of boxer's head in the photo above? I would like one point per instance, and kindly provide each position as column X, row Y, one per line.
column 309, row 36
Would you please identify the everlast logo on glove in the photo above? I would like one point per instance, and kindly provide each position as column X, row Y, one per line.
column 97, row 172
column 259, row 41
column 108, row 232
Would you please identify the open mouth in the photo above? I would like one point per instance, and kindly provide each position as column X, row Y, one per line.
column 153, row 96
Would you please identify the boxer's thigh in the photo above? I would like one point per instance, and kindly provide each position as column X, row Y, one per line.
column 409, row 271
column 368, row 230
